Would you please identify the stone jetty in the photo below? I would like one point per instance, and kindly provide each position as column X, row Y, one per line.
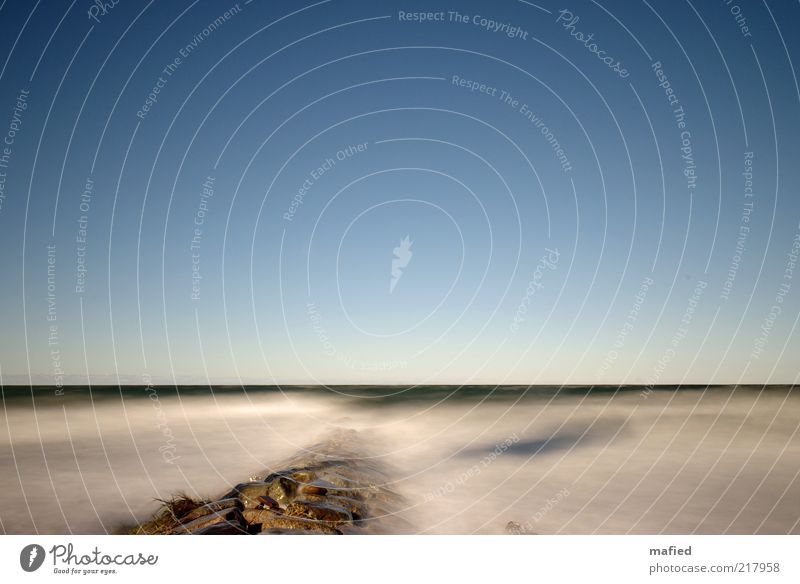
column 332, row 487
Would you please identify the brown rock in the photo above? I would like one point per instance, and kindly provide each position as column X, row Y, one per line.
column 227, row 515
column 220, row 505
column 356, row 508
column 248, row 493
column 514, row 528
column 301, row 476
column 318, row 511
column 223, row 528
column 268, row 503
column 331, row 489
column 281, row 488
column 313, row 489
column 270, row 520
column 341, row 482
column 282, row 531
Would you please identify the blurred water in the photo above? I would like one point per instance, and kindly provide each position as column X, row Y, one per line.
column 714, row 461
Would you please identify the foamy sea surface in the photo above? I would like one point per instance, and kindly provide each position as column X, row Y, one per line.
column 718, row 460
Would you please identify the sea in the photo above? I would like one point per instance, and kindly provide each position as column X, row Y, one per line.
column 467, row 460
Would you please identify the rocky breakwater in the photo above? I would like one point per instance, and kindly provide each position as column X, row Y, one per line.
column 330, row 488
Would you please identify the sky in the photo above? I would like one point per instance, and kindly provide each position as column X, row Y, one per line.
column 399, row 192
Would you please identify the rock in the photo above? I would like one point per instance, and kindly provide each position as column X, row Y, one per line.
column 270, row 520
column 360, row 475
column 384, row 496
column 313, row 489
column 318, row 511
column 281, row 488
column 342, row 482
column 331, row 487
column 514, row 528
column 268, row 503
column 300, row 476
column 220, row 505
column 227, row 515
column 248, row 493
column 223, row 528
column 281, row 531
column 260, row 516
column 356, row 508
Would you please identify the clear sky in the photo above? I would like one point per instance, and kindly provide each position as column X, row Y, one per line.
column 599, row 192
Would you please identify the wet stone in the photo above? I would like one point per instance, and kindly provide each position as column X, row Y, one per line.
column 330, row 488
column 209, row 508
column 318, row 511
column 232, row 516
column 356, row 508
column 269, row 520
column 281, row 488
column 266, row 502
column 514, row 528
column 223, row 528
column 313, row 489
column 280, row 531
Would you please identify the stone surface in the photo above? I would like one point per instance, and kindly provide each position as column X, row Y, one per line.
column 231, row 516
column 319, row 511
column 209, row 508
column 333, row 487
column 269, row 520
column 224, row 528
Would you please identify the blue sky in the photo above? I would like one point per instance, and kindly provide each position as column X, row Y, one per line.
column 577, row 206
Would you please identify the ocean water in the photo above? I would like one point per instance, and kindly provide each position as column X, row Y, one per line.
column 718, row 460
